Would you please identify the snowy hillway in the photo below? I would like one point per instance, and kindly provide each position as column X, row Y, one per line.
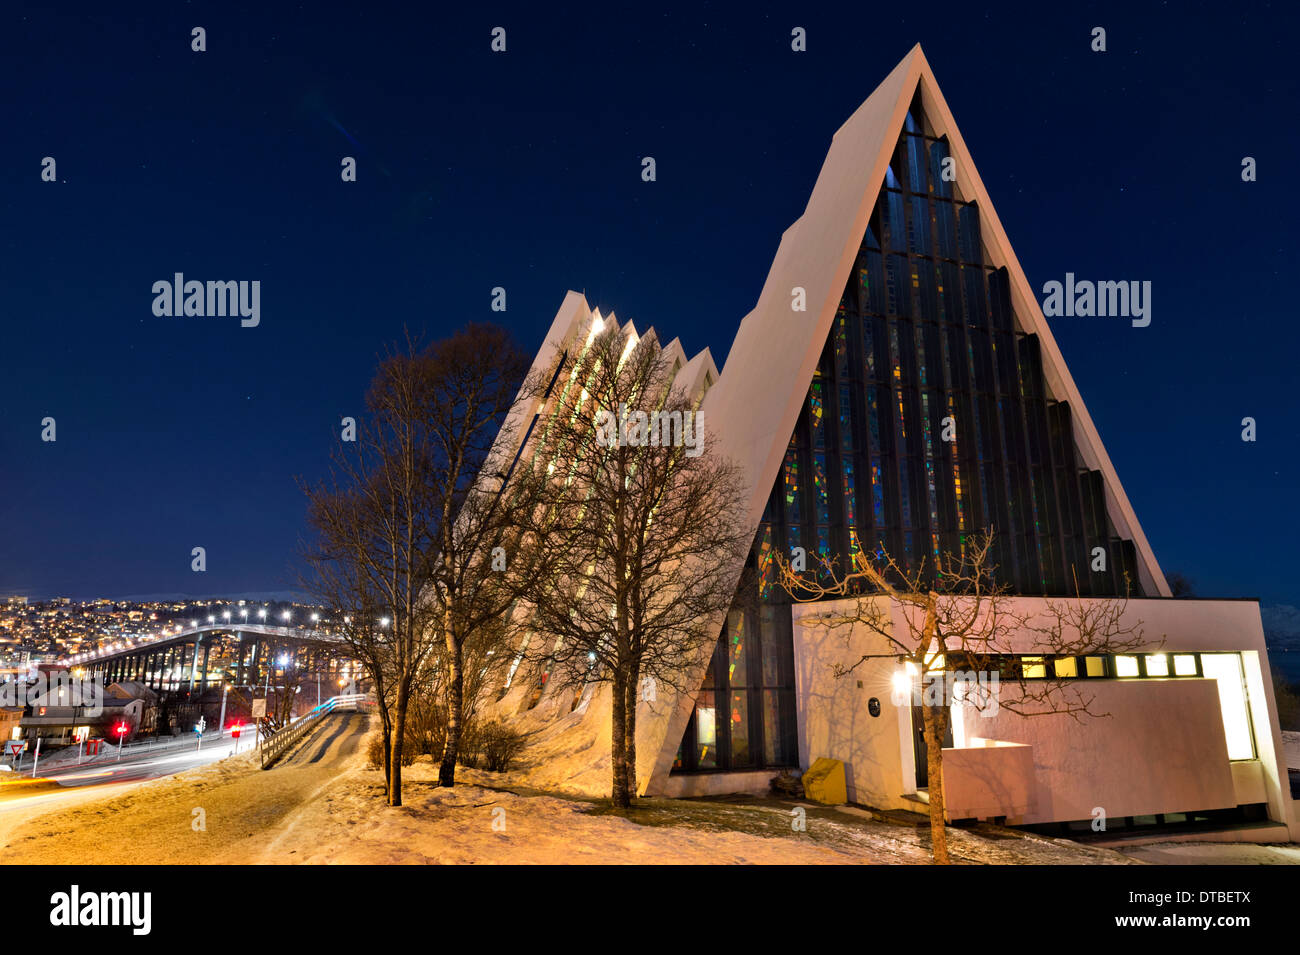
column 324, row 805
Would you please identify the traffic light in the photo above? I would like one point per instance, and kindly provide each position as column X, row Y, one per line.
column 234, row 732
column 121, row 729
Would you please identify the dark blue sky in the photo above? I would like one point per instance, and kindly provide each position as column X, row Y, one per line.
column 523, row 170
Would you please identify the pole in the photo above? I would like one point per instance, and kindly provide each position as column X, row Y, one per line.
column 221, row 720
column 81, row 748
column 36, row 757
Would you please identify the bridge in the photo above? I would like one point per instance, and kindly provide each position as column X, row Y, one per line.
column 212, row 654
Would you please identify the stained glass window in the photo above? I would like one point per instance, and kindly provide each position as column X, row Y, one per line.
column 927, row 327
column 846, row 419
column 766, row 570
column 738, row 649
column 740, row 755
column 792, row 510
column 817, row 412
column 706, row 730
column 820, row 498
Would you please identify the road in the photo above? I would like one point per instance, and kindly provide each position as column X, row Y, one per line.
column 221, row 812
column 104, row 770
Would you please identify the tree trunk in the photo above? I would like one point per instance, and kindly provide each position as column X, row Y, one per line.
column 395, row 761
column 387, row 734
column 631, row 694
column 455, row 704
column 618, row 742
column 934, row 720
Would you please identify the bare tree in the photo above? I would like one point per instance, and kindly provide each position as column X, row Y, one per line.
column 479, row 378
column 640, row 529
column 958, row 619
column 408, row 532
column 373, row 557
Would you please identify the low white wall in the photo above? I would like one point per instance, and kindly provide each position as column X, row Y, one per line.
column 988, row 778
column 1161, row 748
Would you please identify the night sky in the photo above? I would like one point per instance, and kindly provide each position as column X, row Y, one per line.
column 523, row 170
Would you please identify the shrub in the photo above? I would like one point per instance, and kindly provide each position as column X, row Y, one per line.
column 375, row 751
column 501, row 746
column 471, row 745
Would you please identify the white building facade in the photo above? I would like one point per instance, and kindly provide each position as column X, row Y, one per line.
column 895, row 311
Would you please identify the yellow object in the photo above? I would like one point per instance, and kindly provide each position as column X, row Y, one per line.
column 824, row 782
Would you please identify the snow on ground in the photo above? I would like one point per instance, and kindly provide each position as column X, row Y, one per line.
column 497, row 818
column 1215, row 853
column 324, row 805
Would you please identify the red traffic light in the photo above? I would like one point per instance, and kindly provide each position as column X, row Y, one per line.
column 121, row 729
column 234, row 732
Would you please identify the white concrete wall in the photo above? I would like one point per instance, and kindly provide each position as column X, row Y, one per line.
column 833, row 715
column 1159, row 748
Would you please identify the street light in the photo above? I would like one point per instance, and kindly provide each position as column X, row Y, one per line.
column 262, row 613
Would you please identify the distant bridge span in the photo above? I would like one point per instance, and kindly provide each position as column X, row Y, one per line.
column 243, row 654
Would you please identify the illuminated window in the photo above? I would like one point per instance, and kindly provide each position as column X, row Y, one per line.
column 706, row 731
column 1066, row 667
column 1095, row 666
column 1225, row 669
column 1157, row 664
column 1184, row 664
column 740, row 728
column 1033, row 668
column 1126, row 666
